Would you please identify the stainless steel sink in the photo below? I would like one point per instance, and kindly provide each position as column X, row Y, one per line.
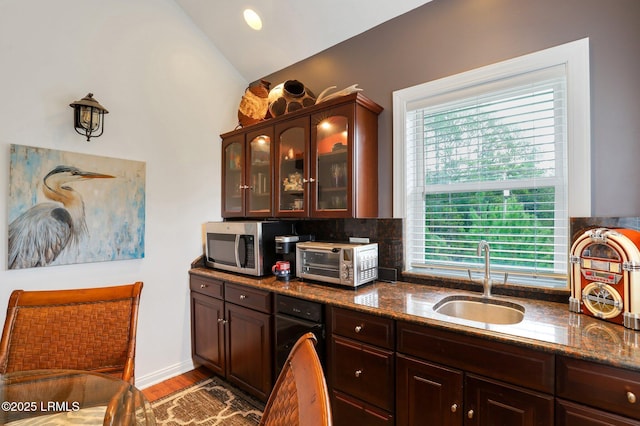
column 482, row 309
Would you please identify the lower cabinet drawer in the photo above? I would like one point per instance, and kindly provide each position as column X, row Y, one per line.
column 572, row 414
column 612, row 389
column 509, row 363
column 363, row 371
column 348, row 411
column 364, row 327
column 248, row 297
column 208, row 286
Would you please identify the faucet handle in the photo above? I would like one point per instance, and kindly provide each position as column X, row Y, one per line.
column 470, row 277
column 506, row 274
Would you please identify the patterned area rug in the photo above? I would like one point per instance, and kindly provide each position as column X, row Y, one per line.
column 210, row 402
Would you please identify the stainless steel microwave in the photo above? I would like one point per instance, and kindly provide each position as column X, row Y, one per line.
column 344, row 264
column 244, row 247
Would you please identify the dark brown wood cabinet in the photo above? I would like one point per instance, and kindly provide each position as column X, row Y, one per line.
column 571, row 414
column 489, row 402
column 249, row 359
column 350, row 411
column 207, row 331
column 605, row 394
column 231, row 333
column 247, row 173
column 453, row 379
column 427, row 393
column 382, row 371
column 323, row 162
column 361, row 368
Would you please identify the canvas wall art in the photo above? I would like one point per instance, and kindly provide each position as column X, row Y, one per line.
column 67, row 208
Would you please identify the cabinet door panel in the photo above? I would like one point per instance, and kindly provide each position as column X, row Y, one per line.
column 427, row 394
column 207, row 335
column 331, row 165
column 249, row 349
column 233, row 176
column 258, row 195
column 292, row 171
column 492, row 403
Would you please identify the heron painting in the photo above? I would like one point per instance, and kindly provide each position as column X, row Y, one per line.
column 67, row 208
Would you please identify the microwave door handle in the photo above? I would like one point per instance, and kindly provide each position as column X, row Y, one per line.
column 237, row 246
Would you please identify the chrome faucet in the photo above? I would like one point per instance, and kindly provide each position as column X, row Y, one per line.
column 486, row 283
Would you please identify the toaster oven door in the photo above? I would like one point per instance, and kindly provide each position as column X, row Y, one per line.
column 319, row 264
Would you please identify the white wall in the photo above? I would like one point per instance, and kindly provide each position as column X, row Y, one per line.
column 170, row 94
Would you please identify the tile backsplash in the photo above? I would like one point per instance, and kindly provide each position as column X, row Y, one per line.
column 386, row 232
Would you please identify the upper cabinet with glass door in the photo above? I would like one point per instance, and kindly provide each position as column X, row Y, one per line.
column 292, row 168
column 233, row 170
column 247, row 173
column 332, row 167
column 344, row 160
column 324, row 162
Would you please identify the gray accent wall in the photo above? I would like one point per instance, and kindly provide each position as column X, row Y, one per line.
column 446, row 37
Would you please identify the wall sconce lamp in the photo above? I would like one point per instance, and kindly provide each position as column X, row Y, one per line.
column 88, row 117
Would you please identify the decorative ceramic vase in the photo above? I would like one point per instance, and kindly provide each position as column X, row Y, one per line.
column 254, row 104
column 289, row 96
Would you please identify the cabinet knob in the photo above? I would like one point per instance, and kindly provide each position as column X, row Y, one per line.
column 312, row 180
column 203, row 286
column 242, row 297
column 358, row 328
column 454, row 408
column 358, row 373
column 631, row 397
column 222, row 320
column 470, row 414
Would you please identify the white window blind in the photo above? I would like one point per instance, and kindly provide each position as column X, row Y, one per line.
column 489, row 163
column 500, row 153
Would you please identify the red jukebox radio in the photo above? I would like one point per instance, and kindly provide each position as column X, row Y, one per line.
column 605, row 275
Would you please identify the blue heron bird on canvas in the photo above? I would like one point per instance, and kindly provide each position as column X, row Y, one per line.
column 40, row 234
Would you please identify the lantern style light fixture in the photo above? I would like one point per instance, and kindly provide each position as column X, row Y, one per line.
column 88, row 117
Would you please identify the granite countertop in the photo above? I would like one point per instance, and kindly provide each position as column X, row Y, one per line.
column 547, row 326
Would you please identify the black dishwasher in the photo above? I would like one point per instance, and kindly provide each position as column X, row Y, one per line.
column 295, row 317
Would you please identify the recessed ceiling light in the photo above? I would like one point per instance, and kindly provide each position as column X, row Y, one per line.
column 252, row 19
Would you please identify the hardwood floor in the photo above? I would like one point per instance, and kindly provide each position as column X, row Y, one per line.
column 174, row 384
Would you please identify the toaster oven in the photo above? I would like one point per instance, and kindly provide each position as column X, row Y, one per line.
column 345, row 264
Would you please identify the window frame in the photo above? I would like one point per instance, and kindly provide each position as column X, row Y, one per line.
column 574, row 56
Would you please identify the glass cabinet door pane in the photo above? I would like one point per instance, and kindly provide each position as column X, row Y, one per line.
column 259, row 191
column 233, row 162
column 291, row 169
column 331, row 156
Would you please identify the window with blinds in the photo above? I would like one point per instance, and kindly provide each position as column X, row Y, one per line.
column 489, row 161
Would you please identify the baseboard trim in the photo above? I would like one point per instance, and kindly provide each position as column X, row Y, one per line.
column 156, row 377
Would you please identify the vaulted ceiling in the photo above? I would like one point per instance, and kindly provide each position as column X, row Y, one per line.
column 292, row 30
